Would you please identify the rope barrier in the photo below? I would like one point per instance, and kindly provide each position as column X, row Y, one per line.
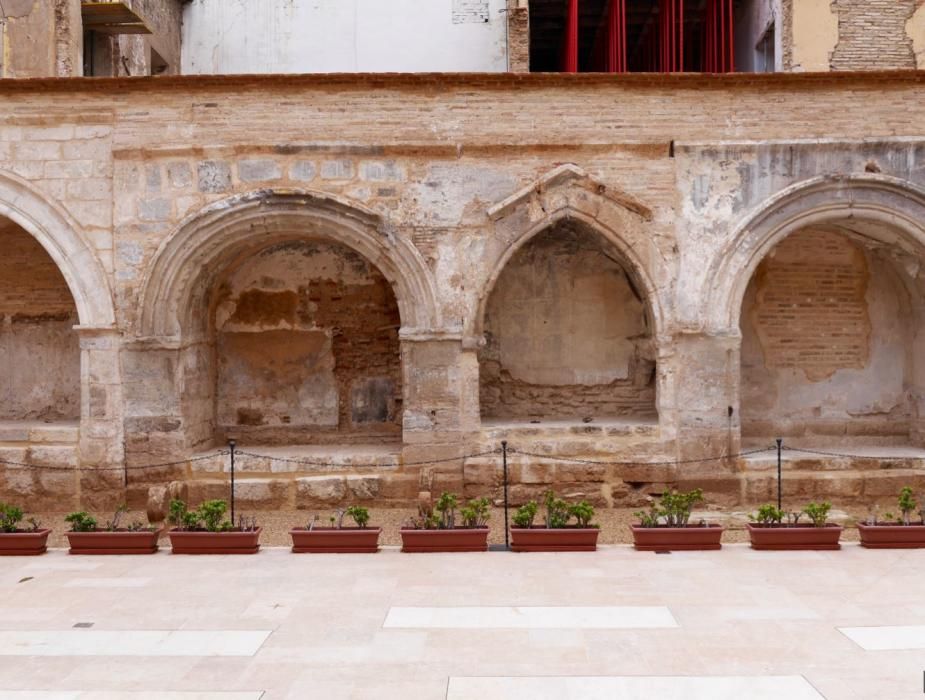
column 845, row 455
column 25, row 465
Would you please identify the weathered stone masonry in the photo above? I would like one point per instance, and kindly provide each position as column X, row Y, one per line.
column 365, row 227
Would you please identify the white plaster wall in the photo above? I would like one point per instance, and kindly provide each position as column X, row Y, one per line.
column 752, row 21
column 328, row 36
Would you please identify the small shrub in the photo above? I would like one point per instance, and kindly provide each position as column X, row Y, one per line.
column 526, row 514
column 676, row 506
column 557, row 514
column 907, row 504
column 81, row 521
column 446, row 507
column 9, row 517
column 359, row 514
column 583, row 512
column 212, row 514
column 476, row 513
column 818, row 513
column 650, row 518
column 768, row 514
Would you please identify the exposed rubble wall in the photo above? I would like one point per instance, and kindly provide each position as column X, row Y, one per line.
column 567, row 336
column 40, row 351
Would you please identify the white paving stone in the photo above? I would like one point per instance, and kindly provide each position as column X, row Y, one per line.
column 125, row 695
column 536, row 617
column 634, row 688
column 131, row 643
column 887, row 638
column 121, row 582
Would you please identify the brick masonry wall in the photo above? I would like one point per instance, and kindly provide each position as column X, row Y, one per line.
column 826, row 342
column 39, row 351
column 811, row 311
column 307, row 338
column 872, row 35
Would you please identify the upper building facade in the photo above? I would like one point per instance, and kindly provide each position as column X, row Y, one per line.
column 67, row 38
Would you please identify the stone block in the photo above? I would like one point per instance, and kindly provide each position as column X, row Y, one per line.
column 303, row 170
column 537, row 473
column 324, row 490
column 481, row 473
column 214, row 176
column 154, row 209
column 258, row 170
column 337, row 170
column 399, row 487
column 363, row 487
column 180, row 175
column 381, row 171
column 579, row 472
column 262, row 493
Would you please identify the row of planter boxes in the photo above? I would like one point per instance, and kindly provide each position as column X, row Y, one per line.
column 366, row 540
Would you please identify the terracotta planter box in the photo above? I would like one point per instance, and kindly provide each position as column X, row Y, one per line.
column 783, row 537
column 23, row 544
column 119, row 542
column 460, row 539
column 677, row 539
column 230, row 542
column 564, row 539
column 346, row 540
column 892, row 536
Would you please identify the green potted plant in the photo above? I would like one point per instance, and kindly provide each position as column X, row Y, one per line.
column 439, row 531
column 557, row 533
column 772, row 528
column 85, row 537
column 896, row 534
column 667, row 527
column 337, row 538
column 19, row 541
column 206, row 531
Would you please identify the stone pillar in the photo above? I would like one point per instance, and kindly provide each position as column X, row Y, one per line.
column 441, row 416
column 705, row 371
column 101, row 427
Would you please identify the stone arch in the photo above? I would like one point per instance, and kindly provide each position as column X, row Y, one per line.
column 568, row 193
column 62, row 238
column 569, row 202
column 182, row 267
column 878, row 207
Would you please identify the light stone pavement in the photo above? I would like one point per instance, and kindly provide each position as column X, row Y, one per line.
column 611, row 624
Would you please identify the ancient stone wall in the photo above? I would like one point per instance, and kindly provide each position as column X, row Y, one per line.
column 307, row 343
column 40, row 370
column 826, row 343
column 566, row 335
column 436, row 182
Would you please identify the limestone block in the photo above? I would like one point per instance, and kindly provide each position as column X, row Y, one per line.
column 537, row 473
column 179, row 174
column 258, row 170
column 579, row 472
column 314, row 490
column 363, row 487
column 158, row 503
column 303, row 170
column 262, row 493
column 337, row 169
column 214, row 176
column 399, row 487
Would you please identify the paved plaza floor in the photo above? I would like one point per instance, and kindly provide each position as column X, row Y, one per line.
column 611, row 624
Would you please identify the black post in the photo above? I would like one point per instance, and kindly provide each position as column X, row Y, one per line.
column 780, row 442
column 231, row 445
column 507, row 531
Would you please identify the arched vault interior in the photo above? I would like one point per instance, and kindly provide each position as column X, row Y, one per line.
column 39, row 348
column 833, row 339
column 568, row 334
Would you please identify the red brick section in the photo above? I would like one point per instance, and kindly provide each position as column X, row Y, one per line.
column 31, row 285
column 811, row 312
